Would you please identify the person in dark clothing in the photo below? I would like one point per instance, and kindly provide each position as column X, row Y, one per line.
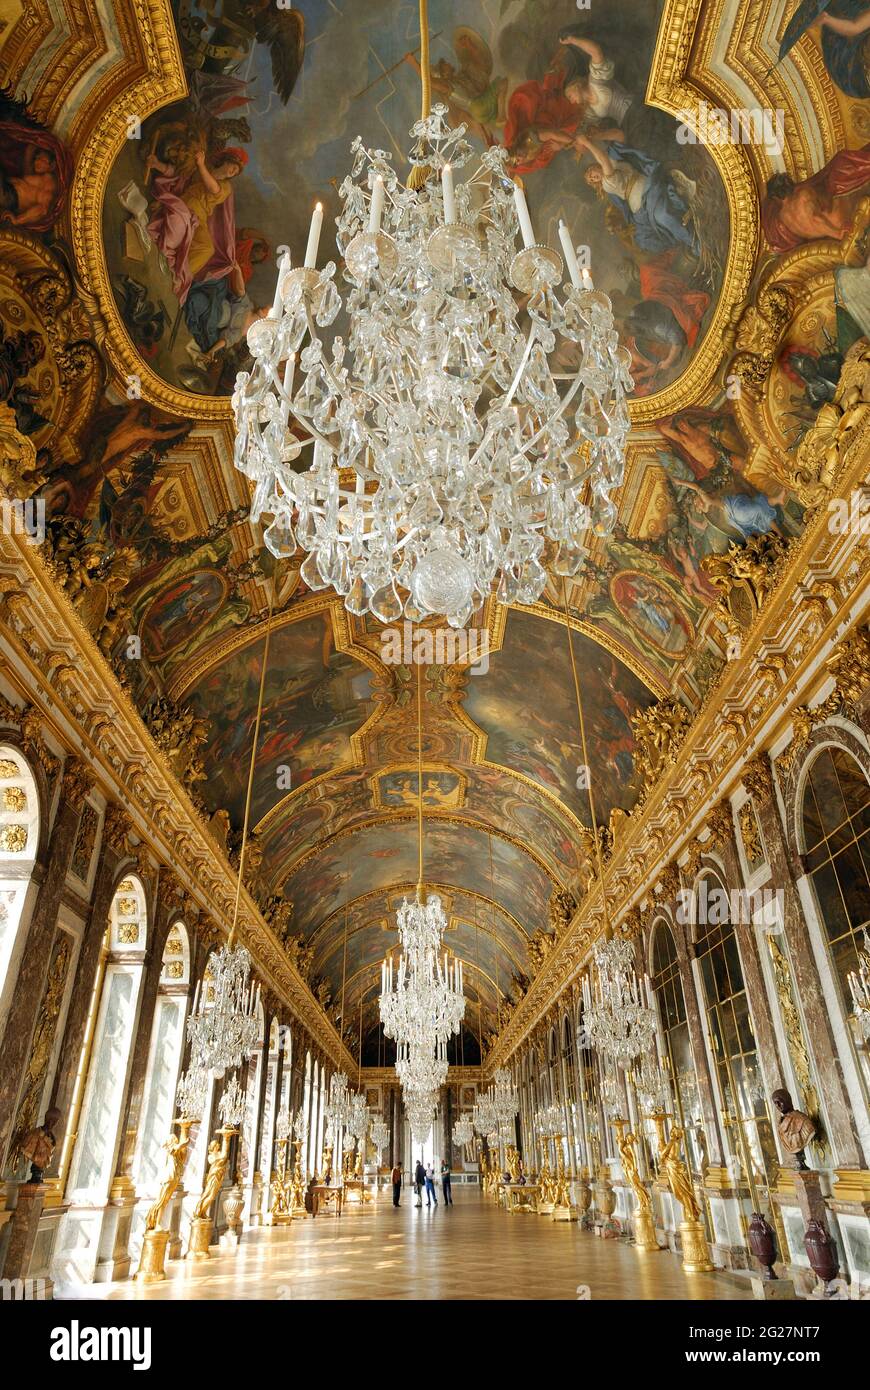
column 419, row 1182
column 396, row 1178
column 445, row 1183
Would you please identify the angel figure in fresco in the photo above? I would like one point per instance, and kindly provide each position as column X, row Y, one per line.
column 470, row 92
column 845, row 26
column 818, row 207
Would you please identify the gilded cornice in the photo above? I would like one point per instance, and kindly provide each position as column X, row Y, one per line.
column 99, row 719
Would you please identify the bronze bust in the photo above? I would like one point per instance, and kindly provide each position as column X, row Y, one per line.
column 795, row 1128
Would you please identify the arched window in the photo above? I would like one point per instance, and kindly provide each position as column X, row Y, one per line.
column 270, row 1104
column 306, row 1106
column 730, row 1028
column 167, row 1041
column 569, row 1064
column 668, row 986
column 19, row 837
column 252, row 1092
column 110, row 1046
column 836, row 831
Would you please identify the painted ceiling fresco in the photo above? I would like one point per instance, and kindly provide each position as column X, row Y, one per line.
column 154, row 160
column 196, row 208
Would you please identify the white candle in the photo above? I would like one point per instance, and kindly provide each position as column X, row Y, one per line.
column 314, row 237
column 447, row 190
column 283, row 265
column 523, row 215
column 377, row 206
column 570, row 255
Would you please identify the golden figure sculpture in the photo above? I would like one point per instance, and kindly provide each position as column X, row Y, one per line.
column 625, row 1143
column 176, row 1148
column 218, row 1160
column 678, row 1177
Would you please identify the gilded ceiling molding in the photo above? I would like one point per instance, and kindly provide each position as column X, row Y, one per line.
column 748, row 58
column 714, row 752
column 107, row 731
column 38, row 294
column 675, row 85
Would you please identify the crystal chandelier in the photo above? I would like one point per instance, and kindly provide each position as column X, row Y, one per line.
column 650, row 1084
column 419, row 1068
column 300, row 1126
column 549, row 1121
column 423, row 1002
column 463, row 1131
column 380, row 1136
column 232, row 1105
column 619, row 1023
column 483, row 1114
column 446, row 449
column 420, row 1110
column 505, row 1097
column 282, row 1126
column 337, row 1111
column 192, row 1093
column 222, row 1027
column 358, row 1121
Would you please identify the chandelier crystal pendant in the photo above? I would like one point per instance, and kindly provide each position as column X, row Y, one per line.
column 447, row 450
column 222, row 1027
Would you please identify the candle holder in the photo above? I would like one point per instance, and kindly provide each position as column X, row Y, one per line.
column 368, row 252
column 535, row 268
column 453, row 245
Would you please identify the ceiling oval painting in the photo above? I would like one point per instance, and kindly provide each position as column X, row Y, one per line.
column 208, row 190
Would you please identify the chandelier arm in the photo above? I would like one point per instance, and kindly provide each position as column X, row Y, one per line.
column 548, row 425
column 337, row 385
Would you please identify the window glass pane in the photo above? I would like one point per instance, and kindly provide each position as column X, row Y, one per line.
column 108, row 1071
column 830, row 903
column 829, row 797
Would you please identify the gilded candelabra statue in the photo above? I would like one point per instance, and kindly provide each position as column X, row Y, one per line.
column 696, row 1252
column 202, row 1220
column 153, row 1257
column 547, row 1193
column 563, row 1207
column 325, row 1174
column 297, row 1186
column 280, row 1212
column 644, row 1224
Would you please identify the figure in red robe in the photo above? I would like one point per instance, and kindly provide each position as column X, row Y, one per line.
column 817, row 207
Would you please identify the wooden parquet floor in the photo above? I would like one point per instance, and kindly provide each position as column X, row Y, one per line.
column 472, row 1250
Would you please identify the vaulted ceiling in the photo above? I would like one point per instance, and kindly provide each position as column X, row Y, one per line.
column 136, row 446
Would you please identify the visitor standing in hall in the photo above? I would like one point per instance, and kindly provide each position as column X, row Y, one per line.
column 445, row 1183
column 419, row 1182
column 430, row 1186
column 396, row 1179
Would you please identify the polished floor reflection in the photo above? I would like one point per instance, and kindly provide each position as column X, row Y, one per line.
column 471, row 1250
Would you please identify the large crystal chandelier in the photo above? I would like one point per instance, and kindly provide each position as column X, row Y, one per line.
column 337, row 1111
column 422, row 1001
column 358, row 1120
column 420, row 1110
column 463, row 1131
column 620, row 1024
column 380, row 1135
column 222, row 1026
column 232, row 1105
column 505, row 1097
column 446, row 449
column 484, row 1117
